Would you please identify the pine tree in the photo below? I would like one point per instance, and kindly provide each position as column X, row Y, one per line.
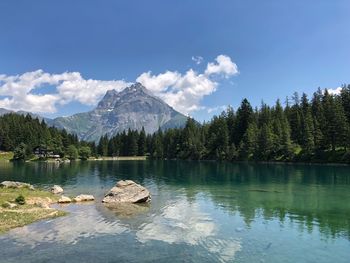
column 265, row 143
column 307, row 138
column 244, row 116
column 142, row 142
column 102, row 147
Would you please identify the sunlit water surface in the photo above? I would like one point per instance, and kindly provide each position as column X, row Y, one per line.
column 200, row 212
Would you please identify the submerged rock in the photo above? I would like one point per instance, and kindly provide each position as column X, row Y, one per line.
column 12, row 184
column 83, row 198
column 127, row 192
column 64, row 199
column 56, row 189
column 127, row 210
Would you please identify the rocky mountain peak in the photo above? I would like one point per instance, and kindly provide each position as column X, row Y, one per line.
column 136, row 88
column 134, row 107
column 112, row 96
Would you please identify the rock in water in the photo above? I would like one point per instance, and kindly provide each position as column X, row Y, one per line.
column 83, row 198
column 56, row 189
column 12, row 184
column 64, row 199
column 127, row 192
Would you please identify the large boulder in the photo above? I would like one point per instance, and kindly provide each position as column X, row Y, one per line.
column 56, row 189
column 83, row 198
column 12, row 184
column 127, row 192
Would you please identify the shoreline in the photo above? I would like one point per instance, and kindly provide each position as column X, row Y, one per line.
column 217, row 161
column 36, row 206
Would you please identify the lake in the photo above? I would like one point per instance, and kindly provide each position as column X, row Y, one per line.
column 200, row 212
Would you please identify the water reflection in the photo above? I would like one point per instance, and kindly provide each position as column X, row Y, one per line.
column 184, row 222
column 311, row 196
column 84, row 221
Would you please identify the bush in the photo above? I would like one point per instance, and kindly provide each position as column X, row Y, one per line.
column 5, row 205
column 20, row 200
column 72, row 152
column 20, row 152
column 84, row 152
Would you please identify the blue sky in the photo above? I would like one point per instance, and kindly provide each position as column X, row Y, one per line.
column 278, row 46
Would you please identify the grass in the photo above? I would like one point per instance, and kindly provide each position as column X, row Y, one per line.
column 6, row 156
column 28, row 213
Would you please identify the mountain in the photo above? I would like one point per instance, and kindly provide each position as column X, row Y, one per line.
column 134, row 107
column 33, row 115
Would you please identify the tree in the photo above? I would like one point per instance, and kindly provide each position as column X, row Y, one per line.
column 337, row 127
column 249, row 142
column 218, row 138
column 132, row 139
column 142, row 142
column 265, row 143
column 20, row 152
column 84, row 152
column 307, row 128
column 230, row 121
column 192, row 147
column 102, row 147
column 72, row 152
column 345, row 100
column 243, row 118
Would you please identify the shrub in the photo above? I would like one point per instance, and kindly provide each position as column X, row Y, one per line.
column 5, row 205
column 20, row 200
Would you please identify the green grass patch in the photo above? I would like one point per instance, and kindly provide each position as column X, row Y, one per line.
column 6, row 156
column 28, row 212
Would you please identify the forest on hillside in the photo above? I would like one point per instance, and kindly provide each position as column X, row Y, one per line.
column 308, row 130
column 302, row 129
column 24, row 134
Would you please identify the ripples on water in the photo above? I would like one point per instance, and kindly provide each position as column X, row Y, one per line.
column 200, row 212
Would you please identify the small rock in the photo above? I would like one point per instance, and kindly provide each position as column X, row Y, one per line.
column 56, row 189
column 127, row 192
column 43, row 205
column 64, row 199
column 13, row 184
column 10, row 205
column 84, row 198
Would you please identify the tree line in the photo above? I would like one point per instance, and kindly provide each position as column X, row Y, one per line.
column 303, row 129
column 316, row 129
column 23, row 134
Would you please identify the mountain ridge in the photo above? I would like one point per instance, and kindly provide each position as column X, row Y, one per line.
column 132, row 108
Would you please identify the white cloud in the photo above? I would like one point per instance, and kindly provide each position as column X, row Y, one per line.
column 87, row 92
column 223, row 65
column 197, row 59
column 70, row 86
column 183, row 92
column 335, row 91
column 216, row 109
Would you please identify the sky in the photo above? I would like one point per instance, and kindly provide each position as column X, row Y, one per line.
column 58, row 58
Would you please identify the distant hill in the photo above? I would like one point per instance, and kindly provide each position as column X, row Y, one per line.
column 6, row 111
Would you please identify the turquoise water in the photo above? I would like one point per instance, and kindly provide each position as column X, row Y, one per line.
column 200, row 212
